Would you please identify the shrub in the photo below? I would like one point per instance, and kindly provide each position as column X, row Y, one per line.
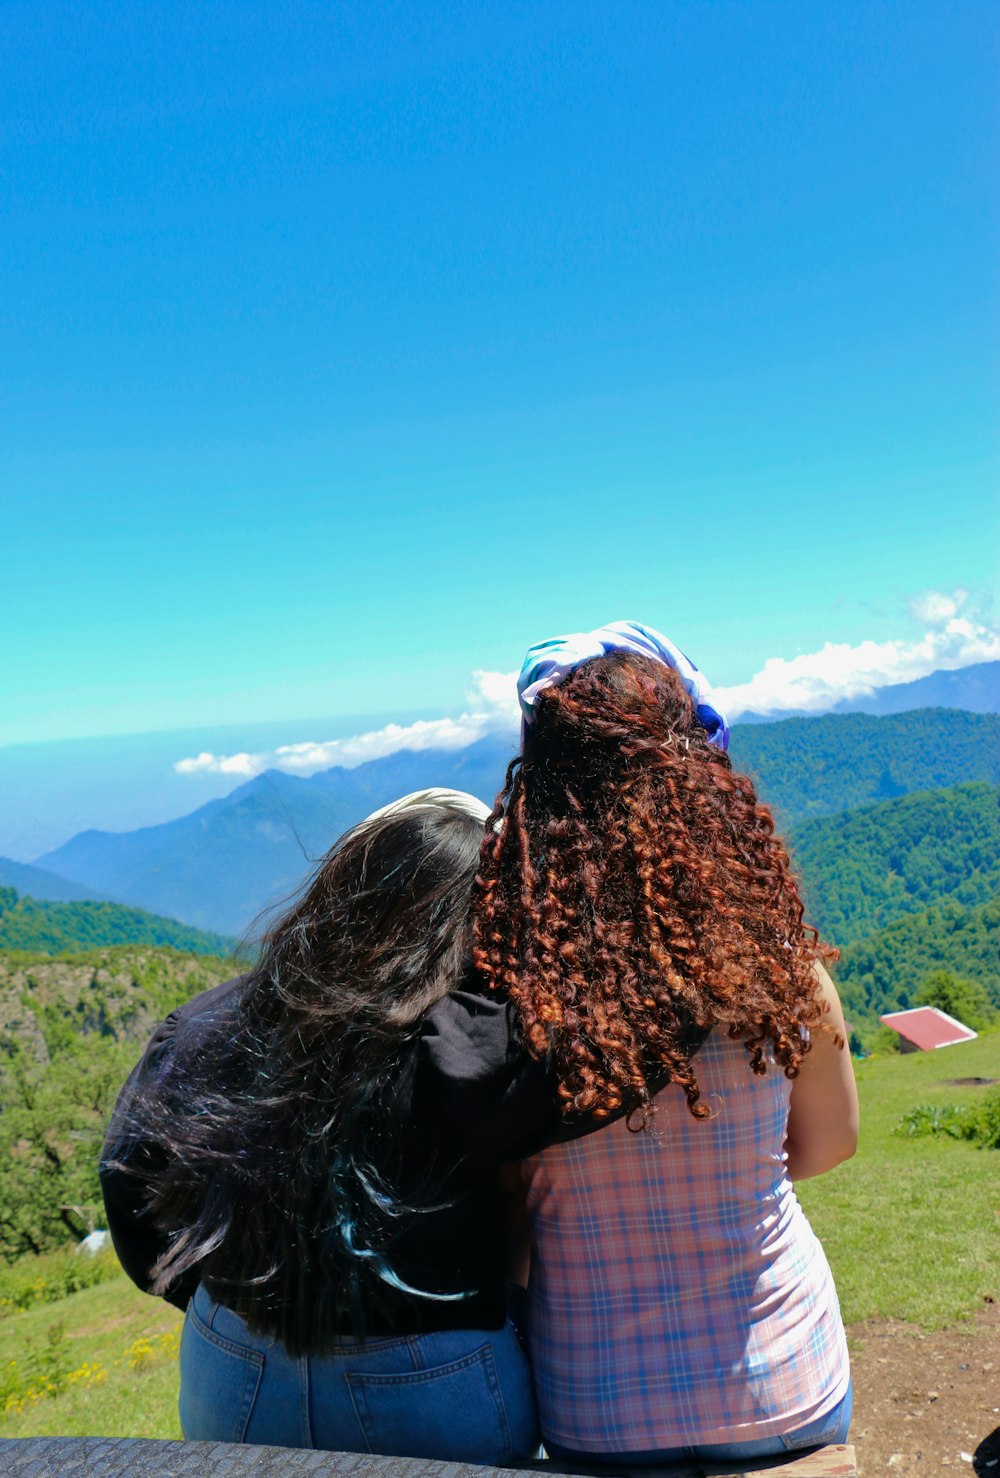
column 979, row 1123
column 931, row 1118
column 53, row 1275
column 42, row 1372
column 983, row 1122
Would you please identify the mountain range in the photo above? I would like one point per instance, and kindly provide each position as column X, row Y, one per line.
column 975, row 688
column 233, row 857
column 38, row 882
column 218, row 867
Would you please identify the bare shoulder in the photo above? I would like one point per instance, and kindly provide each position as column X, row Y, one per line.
column 823, row 1115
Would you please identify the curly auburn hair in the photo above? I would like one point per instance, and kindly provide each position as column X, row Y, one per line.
column 632, row 895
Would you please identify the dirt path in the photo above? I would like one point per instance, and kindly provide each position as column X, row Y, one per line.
column 924, row 1403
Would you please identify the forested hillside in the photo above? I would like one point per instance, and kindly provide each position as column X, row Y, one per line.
column 809, row 767
column 116, row 994
column 863, row 870
column 70, row 1031
column 29, row 924
column 885, row 971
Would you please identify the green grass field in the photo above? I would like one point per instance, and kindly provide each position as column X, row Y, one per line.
column 132, row 1341
column 911, row 1227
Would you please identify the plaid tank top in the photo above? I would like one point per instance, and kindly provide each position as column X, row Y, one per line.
column 678, row 1294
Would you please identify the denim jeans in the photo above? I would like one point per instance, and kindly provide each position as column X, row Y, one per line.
column 826, row 1429
column 459, row 1395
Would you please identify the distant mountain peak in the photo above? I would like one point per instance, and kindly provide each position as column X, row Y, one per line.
column 974, row 689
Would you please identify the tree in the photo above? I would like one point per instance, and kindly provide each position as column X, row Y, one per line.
column 51, row 1128
column 966, row 1000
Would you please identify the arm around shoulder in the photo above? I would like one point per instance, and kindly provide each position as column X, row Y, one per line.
column 823, row 1114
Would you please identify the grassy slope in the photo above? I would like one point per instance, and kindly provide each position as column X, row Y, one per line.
column 102, row 1325
column 910, row 1227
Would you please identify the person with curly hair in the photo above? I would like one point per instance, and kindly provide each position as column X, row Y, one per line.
column 637, row 908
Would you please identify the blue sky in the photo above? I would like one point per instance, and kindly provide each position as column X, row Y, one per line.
column 349, row 349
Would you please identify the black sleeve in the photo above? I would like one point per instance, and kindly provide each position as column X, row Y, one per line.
column 128, row 1162
column 496, row 1099
column 138, row 1241
column 475, row 1076
column 132, row 1155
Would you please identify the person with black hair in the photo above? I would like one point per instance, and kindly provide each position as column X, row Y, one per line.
column 306, row 1160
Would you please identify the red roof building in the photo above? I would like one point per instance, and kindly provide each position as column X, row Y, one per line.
column 923, row 1028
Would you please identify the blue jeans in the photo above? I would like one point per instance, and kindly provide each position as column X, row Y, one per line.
column 824, row 1430
column 460, row 1395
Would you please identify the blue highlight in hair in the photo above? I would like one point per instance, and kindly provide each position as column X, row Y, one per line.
column 380, row 1266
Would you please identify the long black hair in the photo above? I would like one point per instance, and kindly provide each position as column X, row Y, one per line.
column 273, row 1148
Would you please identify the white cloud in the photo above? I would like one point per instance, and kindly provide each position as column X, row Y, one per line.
column 496, row 691
column 934, row 607
column 218, row 764
column 809, row 683
column 817, row 680
column 492, row 706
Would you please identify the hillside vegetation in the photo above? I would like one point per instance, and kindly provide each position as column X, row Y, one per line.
column 71, row 1030
column 864, row 870
column 809, row 767
column 885, row 971
column 35, row 925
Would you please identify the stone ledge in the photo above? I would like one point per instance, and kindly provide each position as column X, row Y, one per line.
column 130, row 1457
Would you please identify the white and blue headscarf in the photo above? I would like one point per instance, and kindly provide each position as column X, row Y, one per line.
column 549, row 663
column 439, row 798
